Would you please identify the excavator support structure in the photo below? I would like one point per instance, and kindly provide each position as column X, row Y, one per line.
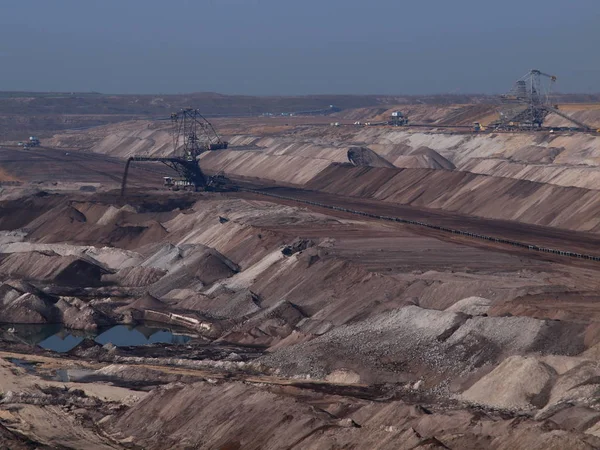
column 192, row 136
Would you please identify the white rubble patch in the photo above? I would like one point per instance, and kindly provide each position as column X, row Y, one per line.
column 407, row 334
column 8, row 237
column 245, row 279
column 109, row 216
column 114, row 258
column 513, row 334
column 474, row 306
column 343, row 376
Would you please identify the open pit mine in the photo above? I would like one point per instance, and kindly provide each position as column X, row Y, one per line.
column 322, row 284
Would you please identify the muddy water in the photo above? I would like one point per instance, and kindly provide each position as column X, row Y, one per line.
column 59, row 339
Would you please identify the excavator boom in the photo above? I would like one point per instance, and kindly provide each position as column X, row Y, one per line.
column 554, row 110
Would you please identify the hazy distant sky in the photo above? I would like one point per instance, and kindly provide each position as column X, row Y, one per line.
column 296, row 47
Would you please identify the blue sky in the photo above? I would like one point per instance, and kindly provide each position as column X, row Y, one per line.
column 271, row 47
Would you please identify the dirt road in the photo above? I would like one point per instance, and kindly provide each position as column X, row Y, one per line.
column 555, row 238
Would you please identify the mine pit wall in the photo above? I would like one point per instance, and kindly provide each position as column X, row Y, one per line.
column 535, row 178
column 469, row 194
column 569, row 160
column 564, row 159
column 460, row 192
column 280, row 169
column 561, row 159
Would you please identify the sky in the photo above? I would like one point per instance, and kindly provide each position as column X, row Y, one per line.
column 284, row 47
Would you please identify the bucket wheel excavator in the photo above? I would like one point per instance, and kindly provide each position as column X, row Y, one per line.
column 528, row 103
column 192, row 135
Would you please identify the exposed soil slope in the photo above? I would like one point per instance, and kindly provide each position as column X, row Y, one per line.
column 468, row 194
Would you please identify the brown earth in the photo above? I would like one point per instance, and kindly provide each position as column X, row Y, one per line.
column 313, row 327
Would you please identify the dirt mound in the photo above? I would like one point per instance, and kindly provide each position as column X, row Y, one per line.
column 227, row 304
column 210, row 266
column 80, row 315
column 34, row 307
column 112, row 258
column 252, row 428
column 576, row 386
column 164, row 257
column 135, row 276
column 520, row 335
column 48, row 266
column 134, row 236
column 363, row 156
column 236, row 416
column 560, row 388
column 147, row 302
column 183, row 279
column 190, row 300
column 57, row 223
column 416, row 162
column 433, row 158
column 412, row 342
column 15, row 214
column 517, row 383
column 473, row 306
column 188, row 267
column 266, row 326
column 17, row 306
column 372, row 347
column 243, row 303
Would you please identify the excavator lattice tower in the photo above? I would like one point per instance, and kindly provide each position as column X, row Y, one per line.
column 528, row 103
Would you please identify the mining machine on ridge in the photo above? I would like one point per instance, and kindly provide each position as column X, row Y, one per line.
column 527, row 104
column 192, row 135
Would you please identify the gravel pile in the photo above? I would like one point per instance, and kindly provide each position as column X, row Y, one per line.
column 520, row 335
column 414, row 342
column 389, row 342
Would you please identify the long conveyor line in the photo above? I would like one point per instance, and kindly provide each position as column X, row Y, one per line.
column 532, row 247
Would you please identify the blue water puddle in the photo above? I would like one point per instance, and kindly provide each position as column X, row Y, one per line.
column 61, row 344
column 59, row 339
column 122, row 336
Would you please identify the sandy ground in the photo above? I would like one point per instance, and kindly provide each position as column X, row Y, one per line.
column 317, row 327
